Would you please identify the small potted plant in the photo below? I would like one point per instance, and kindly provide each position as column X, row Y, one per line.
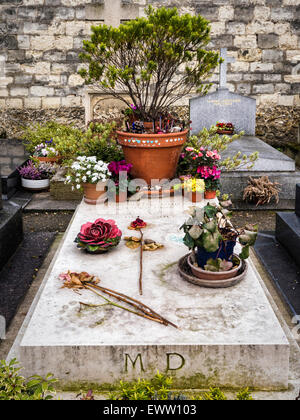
column 211, row 177
column 141, row 58
column 98, row 237
column 191, row 187
column 91, row 174
column 120, row 176
column 225, row 128
column 212, row 237
column 202, row 164
column 35, row 176
column 46, row 152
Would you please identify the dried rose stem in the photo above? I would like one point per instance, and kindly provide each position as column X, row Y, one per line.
column 160, row 321
column 141, row 263
column 131, row 301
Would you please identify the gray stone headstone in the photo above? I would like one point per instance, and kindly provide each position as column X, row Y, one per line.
column 223, row 106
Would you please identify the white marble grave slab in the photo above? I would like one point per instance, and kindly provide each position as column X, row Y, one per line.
column 227, row 337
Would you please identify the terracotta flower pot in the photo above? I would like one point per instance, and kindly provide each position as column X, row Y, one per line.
column 91, row 195
column 209, row 275
column 153, row 156
column 121, row 197
column 210, row 195
column 55, row 159
column 195, row 197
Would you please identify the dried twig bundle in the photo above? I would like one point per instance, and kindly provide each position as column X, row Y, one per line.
column 261, row 191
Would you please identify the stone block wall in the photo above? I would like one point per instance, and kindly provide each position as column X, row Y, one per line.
column 40, row 41
column 12, row 154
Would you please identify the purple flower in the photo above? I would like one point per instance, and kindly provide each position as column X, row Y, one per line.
column 33, row 172
column 116, row 167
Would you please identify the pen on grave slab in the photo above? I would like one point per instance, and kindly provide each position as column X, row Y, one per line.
column 160, row 123
column 128, row 126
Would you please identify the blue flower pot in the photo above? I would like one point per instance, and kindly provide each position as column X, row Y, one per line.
column 225, row 252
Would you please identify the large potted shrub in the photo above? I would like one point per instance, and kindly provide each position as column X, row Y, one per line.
column 154, row 61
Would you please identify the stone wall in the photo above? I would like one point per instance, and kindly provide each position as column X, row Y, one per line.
column 40, row 41
column 12, row 154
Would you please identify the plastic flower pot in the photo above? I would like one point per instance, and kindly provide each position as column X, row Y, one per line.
column 91, row 195
column 210, row 195
column 35, row 184
column 225, row 252
column 195, row 197
column 153, row 156
column 210, row 275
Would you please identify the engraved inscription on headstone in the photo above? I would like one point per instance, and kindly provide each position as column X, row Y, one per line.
column 175, row 361
column 138, row 361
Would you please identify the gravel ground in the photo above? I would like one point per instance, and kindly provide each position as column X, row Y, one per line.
column 46, row 222
column 266, row 220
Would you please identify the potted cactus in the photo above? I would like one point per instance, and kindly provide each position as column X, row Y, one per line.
column 140, row 58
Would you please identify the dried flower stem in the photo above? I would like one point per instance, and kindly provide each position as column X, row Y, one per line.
column 135, row 303
column 109, row 302
column 141, row 263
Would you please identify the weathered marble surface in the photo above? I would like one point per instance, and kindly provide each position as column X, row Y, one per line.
column 227, row 337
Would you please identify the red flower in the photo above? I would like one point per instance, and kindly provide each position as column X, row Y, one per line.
column 102, row 234
column 138, row 224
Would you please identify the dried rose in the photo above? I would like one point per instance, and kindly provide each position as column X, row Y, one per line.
column 137, row 224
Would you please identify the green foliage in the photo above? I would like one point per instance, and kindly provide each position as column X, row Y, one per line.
column 244, row 395
column 142, row 389
column 158, row 388
column 209, row 226
column 98, row 140
column 209, row 139
column 215, row 394
column 142, row 56
column 14, row 387
column 218, row 265
column 65, row 137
